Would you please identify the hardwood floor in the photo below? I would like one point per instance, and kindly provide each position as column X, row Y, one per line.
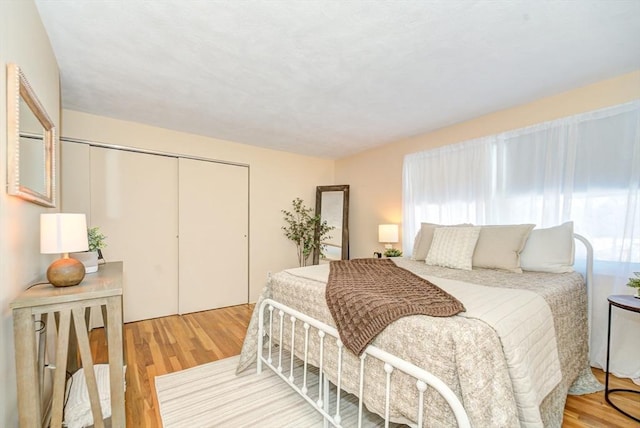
column 163, row 345
column 593, row 411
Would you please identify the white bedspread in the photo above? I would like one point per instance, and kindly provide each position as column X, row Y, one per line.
column 524, row 324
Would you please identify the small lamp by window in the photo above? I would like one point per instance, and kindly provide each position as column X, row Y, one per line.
column 63, row 234
column 388, row 234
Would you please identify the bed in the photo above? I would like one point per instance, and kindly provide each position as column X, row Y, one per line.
column 466, row 352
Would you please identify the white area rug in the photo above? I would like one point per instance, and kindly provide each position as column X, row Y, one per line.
column 211, row 395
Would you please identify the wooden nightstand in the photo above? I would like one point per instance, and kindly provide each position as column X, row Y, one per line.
column 70, row 307
column 627, row 303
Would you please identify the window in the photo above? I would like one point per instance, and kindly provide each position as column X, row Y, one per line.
column 584, row 168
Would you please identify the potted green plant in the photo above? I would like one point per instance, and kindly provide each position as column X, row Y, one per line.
column 96, row 240
column 96, row 243
column 635, row 283
column 392, row 252
column 302, row 228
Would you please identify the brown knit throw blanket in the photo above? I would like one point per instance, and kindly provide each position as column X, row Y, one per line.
column 366, row 295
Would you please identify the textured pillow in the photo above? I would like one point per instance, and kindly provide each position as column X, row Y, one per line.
column 549, row 250
column 499, row 247
column 453, row 247
column 424, row 238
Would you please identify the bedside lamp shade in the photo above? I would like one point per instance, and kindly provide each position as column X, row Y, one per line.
column 388, row 234
column 63, row 234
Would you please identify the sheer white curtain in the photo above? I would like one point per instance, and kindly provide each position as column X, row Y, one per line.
column 584, row 168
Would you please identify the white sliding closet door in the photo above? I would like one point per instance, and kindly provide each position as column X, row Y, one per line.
column 214, row 223
column 134, row 200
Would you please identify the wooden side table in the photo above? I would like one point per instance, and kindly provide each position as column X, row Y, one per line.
column 627, row 303
column 69, row 305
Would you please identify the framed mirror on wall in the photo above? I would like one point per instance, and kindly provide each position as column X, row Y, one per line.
column 332, row 205
column 31, row 143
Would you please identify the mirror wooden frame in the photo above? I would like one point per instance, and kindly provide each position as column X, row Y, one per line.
column 344, row 188
column 18, row 88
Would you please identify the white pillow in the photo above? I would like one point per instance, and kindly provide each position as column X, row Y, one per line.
column 416, row 245
column 499, row 247
column 453, row 247
column 549, row 250
column 77, row 410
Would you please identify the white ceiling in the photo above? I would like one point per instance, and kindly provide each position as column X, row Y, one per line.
column 329, row 78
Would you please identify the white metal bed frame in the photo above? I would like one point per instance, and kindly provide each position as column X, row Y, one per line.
column 391, row 362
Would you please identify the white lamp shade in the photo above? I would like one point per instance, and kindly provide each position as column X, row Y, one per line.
column 388, row 233
column 63, row 233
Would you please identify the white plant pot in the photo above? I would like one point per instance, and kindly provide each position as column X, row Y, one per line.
column 89, row 259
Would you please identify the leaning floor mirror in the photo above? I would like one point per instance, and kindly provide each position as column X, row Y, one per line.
column 332, row 205
column 31, row 143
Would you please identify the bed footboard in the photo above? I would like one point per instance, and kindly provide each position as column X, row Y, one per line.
column 278, row 313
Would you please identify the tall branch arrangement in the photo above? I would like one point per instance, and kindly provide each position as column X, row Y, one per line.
column 305, row 230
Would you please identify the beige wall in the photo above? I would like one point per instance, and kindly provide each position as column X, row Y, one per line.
column 276, row 178
column 22, row 41
column 375, row 176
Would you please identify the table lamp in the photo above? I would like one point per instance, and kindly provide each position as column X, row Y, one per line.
column 388, row 234
column 63, row 234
